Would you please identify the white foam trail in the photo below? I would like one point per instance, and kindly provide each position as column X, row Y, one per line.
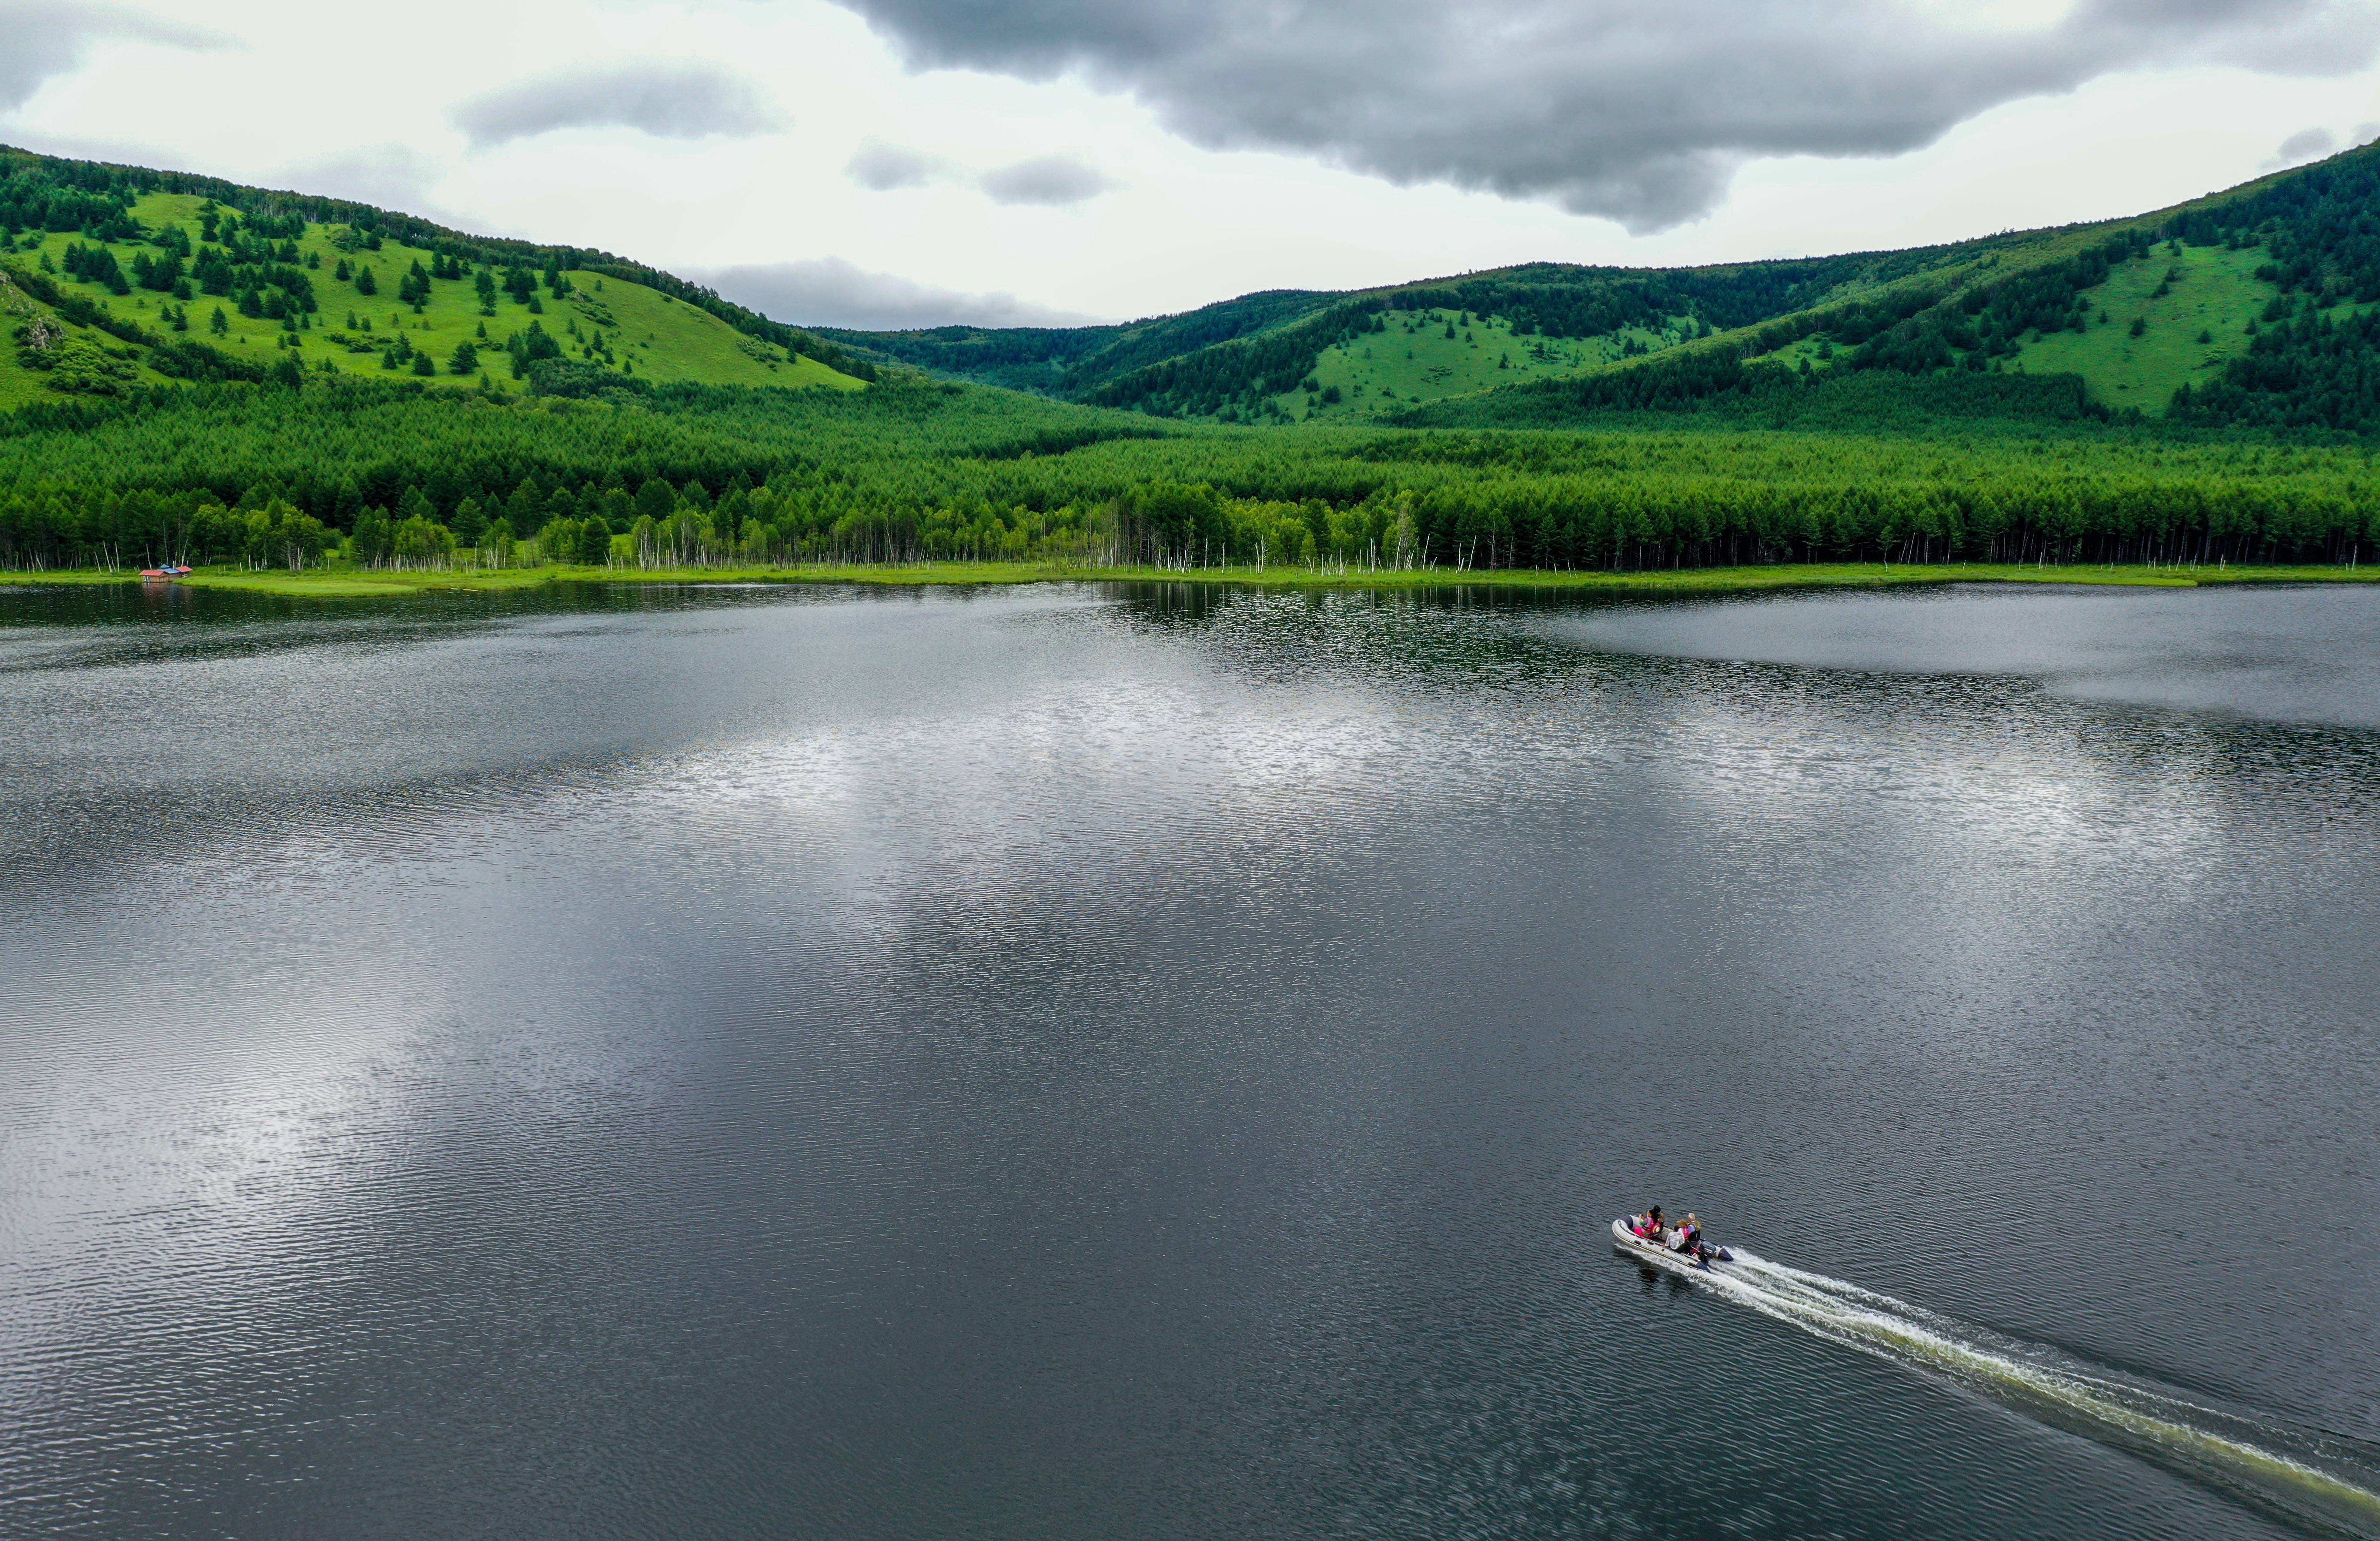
column 2223, row 1449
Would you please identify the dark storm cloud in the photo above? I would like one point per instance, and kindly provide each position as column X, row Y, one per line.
column 831, row 292
column 671, row 101
column 1641, row 112
column 39, row 40
column 1054, row 180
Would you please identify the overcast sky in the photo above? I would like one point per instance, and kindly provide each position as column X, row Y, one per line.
column 909, row 162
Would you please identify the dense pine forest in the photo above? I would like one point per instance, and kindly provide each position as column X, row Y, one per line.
column 2196, row 386
column 919, row 470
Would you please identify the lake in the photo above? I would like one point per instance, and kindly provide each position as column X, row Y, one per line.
column 1095, row 1061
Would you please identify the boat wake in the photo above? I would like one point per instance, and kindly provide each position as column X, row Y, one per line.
column 2326, row 1482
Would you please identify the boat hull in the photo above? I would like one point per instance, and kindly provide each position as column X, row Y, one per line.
column 1654, row 1253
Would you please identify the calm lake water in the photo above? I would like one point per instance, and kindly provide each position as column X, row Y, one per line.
column 1100, row 1063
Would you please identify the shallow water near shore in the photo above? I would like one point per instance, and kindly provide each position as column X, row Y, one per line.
column 1109, row 1061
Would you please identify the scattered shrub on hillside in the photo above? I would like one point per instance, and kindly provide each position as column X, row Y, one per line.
column 572, row 377
column 80, row 367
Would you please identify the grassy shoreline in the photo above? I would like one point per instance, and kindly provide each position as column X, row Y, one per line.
column 367, row 583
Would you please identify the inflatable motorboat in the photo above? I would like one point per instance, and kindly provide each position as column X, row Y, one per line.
column 1661, row 1256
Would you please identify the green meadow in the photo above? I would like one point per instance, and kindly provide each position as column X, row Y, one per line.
column 2194, row 305
column 1427, row 355
column 1715, row 582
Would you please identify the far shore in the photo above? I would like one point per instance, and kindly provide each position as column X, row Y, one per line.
column 361, row 583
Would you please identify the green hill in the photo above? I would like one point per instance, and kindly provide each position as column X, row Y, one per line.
column 1073, row 361
column 2250, row 306
column 114, row 277
column 2258, row 307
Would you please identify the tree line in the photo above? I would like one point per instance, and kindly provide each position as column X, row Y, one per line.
column 915, row 471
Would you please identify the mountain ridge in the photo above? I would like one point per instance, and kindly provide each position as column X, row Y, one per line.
column 1889, row 309
column 2249, row 306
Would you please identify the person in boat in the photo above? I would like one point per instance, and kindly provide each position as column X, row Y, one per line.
column 1647, row 1225
column 1690, row 1240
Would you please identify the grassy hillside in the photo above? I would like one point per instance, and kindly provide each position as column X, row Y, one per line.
column 1427, row 355
column 117, row 278
column 2198, row 308
column 2196, row 305
column 2145, row 317
column 615, row 325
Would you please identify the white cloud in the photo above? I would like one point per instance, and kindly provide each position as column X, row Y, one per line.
column 385, row 176
column 831, row 292
column 2306, row 144
column 684, row 100
column 1046, row 181
column 881, row 167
